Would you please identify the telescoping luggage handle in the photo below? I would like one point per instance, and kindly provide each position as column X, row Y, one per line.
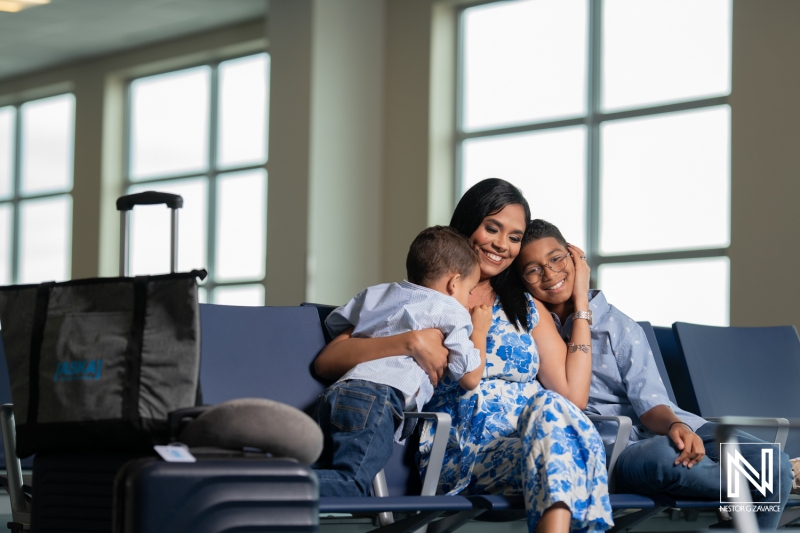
column 125, row 204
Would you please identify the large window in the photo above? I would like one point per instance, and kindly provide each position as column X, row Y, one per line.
column 612, row 117
column 202, row 133
column 36, row 152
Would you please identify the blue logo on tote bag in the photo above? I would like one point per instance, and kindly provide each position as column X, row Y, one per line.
column 75, row 370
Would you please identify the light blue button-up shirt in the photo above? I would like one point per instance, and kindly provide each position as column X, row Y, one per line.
column 625, row 378
column 393, row 308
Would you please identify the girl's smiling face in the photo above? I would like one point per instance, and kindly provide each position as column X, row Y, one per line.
column 497, row 239
column 553, row 287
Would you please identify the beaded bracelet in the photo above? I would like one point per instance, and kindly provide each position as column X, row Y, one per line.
column 575, row 347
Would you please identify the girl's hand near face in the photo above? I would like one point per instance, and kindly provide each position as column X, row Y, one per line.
column 580, row 290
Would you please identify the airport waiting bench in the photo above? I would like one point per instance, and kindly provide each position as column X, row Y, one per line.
column 268, row 352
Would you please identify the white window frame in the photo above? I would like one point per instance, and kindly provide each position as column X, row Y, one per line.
column 211, row 174
column 593, row 120
column 16, row 179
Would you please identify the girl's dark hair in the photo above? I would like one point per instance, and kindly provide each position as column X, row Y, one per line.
column 486, row 198
column 541, row 229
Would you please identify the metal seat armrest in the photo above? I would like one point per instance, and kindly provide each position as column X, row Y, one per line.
column 381, row 490
column 429, row 484
column 20, row 509
column 781, row 425
column 440, row 437
column 624, row 425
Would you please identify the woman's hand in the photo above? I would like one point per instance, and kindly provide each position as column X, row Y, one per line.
column 580, row 291
column 427, row 348
column 345, row 351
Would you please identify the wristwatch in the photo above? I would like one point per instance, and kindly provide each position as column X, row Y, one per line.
column 586, row 315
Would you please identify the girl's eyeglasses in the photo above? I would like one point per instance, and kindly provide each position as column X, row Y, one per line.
column 533, row 274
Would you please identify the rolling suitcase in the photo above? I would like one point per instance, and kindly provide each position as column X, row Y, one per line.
column 216, row 495
column 73, row 490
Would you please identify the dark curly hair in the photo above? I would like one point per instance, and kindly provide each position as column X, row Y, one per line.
column 486, row 198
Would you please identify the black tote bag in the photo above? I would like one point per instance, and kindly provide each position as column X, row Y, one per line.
column 97, row 364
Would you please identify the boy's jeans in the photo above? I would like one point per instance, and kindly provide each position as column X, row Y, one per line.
column 647, row 468
column 358, row 420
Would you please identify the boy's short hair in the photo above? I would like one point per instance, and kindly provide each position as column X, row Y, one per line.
column 437, row 251
column 541, row 229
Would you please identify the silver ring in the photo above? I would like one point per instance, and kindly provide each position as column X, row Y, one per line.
column 583, row 257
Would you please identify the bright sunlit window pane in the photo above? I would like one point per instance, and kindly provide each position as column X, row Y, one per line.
column 7, row 116
column 47, row 140
column 6, row 213
column 169, row 123
column 665, row 182
column 548, row 166
column 243, row 97
column 150, row 228
column 649, row 291
column 663, row 51
column 523, row 62
column 44, row 245
column 241, row 225
column 251, row 295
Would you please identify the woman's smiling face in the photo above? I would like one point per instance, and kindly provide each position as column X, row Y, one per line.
column 498, row 239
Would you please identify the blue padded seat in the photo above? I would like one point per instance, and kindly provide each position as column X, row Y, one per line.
column 739, row 371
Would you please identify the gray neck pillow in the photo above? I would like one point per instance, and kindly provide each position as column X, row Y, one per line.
column 271, row 426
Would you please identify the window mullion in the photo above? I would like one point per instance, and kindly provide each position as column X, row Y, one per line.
column 459, row 109
column 593, row 127
column 211, row 245
column 16, row 176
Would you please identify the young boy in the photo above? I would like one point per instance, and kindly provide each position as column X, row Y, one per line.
column 360, row 413
column 667, row 444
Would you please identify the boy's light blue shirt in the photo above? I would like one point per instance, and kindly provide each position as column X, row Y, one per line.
column 393, row 308
column 625, row 378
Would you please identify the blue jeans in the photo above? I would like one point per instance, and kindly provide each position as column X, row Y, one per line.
column 358, row 420
column 647, row 468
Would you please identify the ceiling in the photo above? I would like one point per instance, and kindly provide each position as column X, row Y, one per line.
column 67, row 30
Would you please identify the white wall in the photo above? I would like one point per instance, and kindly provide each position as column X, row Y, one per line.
column 765, row 163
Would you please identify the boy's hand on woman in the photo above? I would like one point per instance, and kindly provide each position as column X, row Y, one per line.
column 481, row 318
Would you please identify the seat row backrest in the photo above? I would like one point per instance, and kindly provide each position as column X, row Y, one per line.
column 260, row 352
column 742, row 371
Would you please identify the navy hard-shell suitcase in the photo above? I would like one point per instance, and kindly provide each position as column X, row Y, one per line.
column 216, row 495
column 73, row 491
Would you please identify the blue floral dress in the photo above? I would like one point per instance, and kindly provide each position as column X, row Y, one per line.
column 512, row 436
